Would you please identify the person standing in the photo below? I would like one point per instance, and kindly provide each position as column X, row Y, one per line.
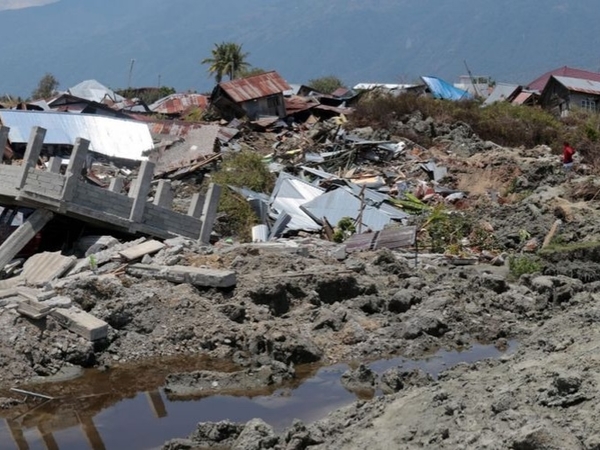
column 568, row 153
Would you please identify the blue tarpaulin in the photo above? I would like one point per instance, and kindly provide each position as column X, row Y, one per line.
column 444, row 90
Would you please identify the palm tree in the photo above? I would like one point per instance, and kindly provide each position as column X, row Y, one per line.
column 227, row 59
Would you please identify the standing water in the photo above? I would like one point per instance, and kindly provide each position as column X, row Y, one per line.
column 125, row 408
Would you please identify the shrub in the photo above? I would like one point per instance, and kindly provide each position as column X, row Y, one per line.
column 247, row 170
column 523, row 264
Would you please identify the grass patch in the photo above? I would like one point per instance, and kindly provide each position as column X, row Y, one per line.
column 560, row 247
column 523, row 264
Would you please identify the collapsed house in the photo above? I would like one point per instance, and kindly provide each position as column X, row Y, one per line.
column 256, row 97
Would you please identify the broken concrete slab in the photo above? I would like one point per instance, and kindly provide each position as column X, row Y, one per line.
column 143, row 249
column 81, row 323
column 183, row 274
column 45, row 267
column 34, row 294
column 102, row 257
column 59, row 301
column 34, row 310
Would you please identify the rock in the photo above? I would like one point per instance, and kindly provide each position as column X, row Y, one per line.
column 395, row 379
column 494, row 283
column 234, row 312
column 403, row 300
column 545, row 437
column 361, row 379
column 256, row 435
column 275, row 296
column 430, row 323
column 211, row 434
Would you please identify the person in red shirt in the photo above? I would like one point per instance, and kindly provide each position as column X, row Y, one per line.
column 568, row 153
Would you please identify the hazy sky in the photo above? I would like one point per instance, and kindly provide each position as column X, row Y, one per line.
column 20, row 4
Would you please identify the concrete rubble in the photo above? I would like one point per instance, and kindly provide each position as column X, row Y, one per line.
column 375, row 247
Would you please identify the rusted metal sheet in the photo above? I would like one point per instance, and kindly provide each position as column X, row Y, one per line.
column 580, row 85
column 179, row 103
column 296, row 104
column 257, row 86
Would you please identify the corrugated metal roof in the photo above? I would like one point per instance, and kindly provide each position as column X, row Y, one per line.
column 289, row 193
column 339, row 203
column 257, row 86
column 112, row 137
column 95, row 91
column 539, row 83
column 522, row 98
column 501, row 92
column 179, row 103
column 579, row 85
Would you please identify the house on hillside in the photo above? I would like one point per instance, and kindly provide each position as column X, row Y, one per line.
column 540, row 83
column 256, row 97
column 563, row 93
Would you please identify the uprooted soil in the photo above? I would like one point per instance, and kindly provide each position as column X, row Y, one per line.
column 302, row 304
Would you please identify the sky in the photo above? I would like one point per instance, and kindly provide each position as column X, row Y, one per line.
column 21, row 4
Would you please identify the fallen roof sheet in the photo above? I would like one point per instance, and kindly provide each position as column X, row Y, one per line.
column 579, row 85
column 45, row 267
column 179, row 103
column 109, row 136
column 198, row 144
column 392, row 238
column 339, row 203
column 257, row 86
column 95, row 91
column 287, row 197
column 444, row 90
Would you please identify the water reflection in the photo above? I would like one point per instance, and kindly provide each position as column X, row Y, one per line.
column 126, row 409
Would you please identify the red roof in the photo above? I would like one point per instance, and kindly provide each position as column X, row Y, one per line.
column 179, row 103
column 257, row 86
column 539, row 83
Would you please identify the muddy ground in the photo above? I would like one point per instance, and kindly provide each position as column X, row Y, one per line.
column 306, row 301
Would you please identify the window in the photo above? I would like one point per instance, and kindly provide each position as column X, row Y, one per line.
column 589, row 104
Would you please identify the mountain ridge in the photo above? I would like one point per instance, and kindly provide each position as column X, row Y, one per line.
column 358, row 41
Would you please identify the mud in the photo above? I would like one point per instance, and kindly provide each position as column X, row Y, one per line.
column 306, row 306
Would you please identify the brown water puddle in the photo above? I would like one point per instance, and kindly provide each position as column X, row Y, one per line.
column 125, row 408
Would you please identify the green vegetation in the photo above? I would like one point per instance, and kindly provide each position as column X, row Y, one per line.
column 148, row 96
column 503, row 123
column 345, row 228
column 558, row 246
column 326, row 85
column 523, row 264
column 46, row 87
column 244, row 169
column 227, row 59
column 250, row 72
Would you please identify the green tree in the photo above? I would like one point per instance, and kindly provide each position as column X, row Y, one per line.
column 326, row 85
column 227, row 59
column 46, row 87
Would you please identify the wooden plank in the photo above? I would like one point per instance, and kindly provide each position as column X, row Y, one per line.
column 184, row 274
column 145, row 248
column 81, row 323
